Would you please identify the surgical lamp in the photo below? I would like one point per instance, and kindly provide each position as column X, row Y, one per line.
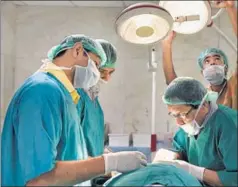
column 181, row 9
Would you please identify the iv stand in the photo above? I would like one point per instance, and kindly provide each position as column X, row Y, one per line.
column 152, row 67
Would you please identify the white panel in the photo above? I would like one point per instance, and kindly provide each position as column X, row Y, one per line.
column 48, row 3
column 98, row 3
column 128, row 3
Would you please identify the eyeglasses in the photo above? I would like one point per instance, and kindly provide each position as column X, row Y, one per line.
column 181, row 115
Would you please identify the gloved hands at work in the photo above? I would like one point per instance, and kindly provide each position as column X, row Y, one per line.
column 164, row 156
column 193, row 170
column 124, row 161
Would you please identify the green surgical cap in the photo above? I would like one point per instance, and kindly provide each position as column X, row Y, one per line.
column 111, row 53
column 184, row 91
column 211, row 51
column 88, row 44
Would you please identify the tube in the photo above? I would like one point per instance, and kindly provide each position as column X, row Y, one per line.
column 218, row 14
column 234, row 47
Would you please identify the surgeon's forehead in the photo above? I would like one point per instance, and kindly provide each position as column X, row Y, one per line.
column 178, row 108
column 213, row 56
column 107, row 69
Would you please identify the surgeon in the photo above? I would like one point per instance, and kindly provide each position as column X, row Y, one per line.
column 109, row 67
column 212, row 62
column 42, row 140
column 206, row 143
column 92, row 116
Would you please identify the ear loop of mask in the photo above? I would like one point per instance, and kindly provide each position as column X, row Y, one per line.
column 86, row 54
column 200, row 106
column 225, row 66
column 225, row 75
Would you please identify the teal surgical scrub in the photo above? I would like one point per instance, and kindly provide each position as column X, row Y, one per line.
column 92, row 118
column 163, row 174
column 215, row 148
column 42, row 126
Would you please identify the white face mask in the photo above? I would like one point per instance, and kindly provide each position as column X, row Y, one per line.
column 101, row 81
column 193, row 128
column 86, row 77
column 214, row 74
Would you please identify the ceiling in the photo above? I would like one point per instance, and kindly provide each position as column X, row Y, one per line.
column 79, row 3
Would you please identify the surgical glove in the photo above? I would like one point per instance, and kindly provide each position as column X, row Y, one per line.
column 164, row 154
column 196, row 171
column 124, row 161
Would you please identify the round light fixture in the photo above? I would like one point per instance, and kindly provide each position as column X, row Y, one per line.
column 200, row 9
column 144, row 23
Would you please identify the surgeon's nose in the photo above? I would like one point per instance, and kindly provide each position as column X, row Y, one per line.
column 107, row 77
column 179, row 121
column 213, row 63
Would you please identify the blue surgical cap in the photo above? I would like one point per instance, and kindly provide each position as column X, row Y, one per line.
column 88, row 44
column 184, row 91
column 211, row 51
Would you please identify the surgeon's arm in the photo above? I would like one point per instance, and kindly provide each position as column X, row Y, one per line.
column 226, row 135
column 179, row 145
column 231, row 10
column 227, row 146
column 75, row 172
column 70, row 172
column 211, row 178
column 168, row 66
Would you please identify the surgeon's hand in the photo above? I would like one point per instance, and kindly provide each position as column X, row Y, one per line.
column 169, row 39
column 224, row 4
column 124, row 161
column 164, row 154
column 196, row 171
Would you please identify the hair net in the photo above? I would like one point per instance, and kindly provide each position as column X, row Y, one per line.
column 111, row 53
column 88, row 44
column 211, row 51
column 184, row 90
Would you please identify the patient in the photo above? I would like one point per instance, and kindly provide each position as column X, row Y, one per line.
column 155, row 175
